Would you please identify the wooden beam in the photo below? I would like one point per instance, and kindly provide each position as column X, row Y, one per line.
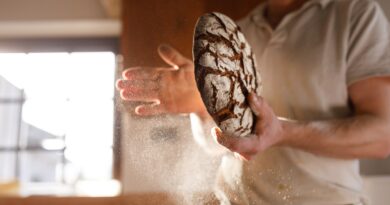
column 59, row 29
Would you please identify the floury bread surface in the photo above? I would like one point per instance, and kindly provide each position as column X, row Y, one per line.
column 225, row 73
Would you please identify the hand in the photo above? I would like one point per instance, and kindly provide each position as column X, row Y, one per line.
column 163, row 89
column 268, row 131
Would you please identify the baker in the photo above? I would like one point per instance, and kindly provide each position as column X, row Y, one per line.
column 325, row 67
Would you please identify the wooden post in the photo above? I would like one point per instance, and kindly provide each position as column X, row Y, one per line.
column 148, row 23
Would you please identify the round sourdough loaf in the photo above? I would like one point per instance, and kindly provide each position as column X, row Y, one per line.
column 225, row 73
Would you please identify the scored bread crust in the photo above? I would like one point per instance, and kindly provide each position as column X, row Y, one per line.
column 225, row 73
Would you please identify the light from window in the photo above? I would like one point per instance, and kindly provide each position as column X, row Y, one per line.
column 56, row 121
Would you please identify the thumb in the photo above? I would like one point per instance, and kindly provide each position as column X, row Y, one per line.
column 257, row 105
column 172, row 56
column 149, row 109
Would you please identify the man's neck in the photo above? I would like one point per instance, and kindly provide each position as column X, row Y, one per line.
column 277, row 9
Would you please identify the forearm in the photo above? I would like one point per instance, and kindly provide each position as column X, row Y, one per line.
column 362, row 136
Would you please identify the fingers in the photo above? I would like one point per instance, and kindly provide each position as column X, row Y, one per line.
column 149, row 109
column 137, row 84
column 246, row 156
column 256, row 103
column 172, row 56
column 142, row 95
column 168, row 54
column 264, row 113
column 248, row 146
column 245, row 146
column 143, row 73
column 144, row 83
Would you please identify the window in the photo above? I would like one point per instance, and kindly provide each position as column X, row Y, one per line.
column 57, row 122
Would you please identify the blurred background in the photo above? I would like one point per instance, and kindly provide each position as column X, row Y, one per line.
column 65, row 137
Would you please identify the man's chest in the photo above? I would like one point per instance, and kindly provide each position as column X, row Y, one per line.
column 302, row 64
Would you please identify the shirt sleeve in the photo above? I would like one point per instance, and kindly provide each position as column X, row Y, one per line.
column 368, row 42
column 201, row 131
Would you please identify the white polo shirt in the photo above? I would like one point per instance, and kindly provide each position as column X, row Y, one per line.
column 306, row 65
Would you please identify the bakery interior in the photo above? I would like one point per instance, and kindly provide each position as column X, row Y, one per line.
column 67, row 138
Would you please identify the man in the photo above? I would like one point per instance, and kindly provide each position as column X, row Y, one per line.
column 325, row 66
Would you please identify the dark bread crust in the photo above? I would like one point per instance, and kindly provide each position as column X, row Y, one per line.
column 225, row 72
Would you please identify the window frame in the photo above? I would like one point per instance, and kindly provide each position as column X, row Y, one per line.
column 47, row 45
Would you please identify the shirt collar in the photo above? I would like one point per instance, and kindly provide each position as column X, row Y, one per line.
column 258, row 13
column 323, row 3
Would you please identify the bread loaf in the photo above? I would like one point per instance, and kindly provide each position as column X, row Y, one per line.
column 225, row 73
